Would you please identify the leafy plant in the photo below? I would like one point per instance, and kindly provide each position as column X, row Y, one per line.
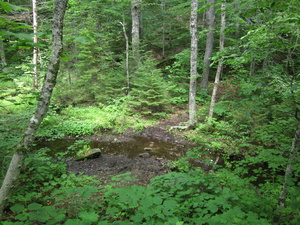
column 40, row 166
column 82, row 152
column 192, row 197
column 79, row 144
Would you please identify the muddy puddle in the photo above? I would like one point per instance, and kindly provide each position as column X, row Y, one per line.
column 130, row 147
column 142, row 156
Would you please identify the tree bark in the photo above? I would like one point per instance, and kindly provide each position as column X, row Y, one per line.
column 2, row 55
column 50, row 80
column 294, row 153
column 135, row 14
column 237, row 23
column 220, row 65
column 210, row 14
column 127, row 54
column 35, row 48
column 193, row 62
column 163, row 8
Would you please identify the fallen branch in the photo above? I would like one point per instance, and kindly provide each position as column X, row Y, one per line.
column 217, row 160
column 179, row 127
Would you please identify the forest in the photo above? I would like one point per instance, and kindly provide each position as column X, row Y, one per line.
column 149, row 112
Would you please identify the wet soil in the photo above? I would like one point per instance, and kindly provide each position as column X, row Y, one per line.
column 142, row 166
column 104, row 168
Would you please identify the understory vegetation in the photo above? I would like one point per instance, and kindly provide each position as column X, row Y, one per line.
column 251, row 134
column 252, row 139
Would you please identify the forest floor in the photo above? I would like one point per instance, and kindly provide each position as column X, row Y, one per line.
column 143, row 167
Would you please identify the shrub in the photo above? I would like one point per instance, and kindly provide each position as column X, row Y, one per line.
column 148, row 93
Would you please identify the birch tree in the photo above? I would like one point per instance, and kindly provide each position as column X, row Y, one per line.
column 210, row 15
column 35, row 48
column 50, row 80
column 135, row 14
column 193, row 62
column 127, row 53
column 220, row 65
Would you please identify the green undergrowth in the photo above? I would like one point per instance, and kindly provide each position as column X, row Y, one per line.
column 47, row 194
column 76, row 121
column 248, row 120
column 11, row 130
column 17, row 97
column 17, row 103
column 251, row 135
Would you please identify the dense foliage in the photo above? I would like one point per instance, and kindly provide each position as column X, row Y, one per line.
column 255, row 118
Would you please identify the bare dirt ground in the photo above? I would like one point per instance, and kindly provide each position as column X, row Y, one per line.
column 142, row 168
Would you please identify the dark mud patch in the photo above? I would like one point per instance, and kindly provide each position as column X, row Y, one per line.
column 104, row 168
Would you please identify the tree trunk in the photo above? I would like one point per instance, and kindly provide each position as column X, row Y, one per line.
column 127, row 53
column 193, row 62
column 163, row 8
column 220, row 65
column 237, row 23
column 210, row 14
column 35, row 48
column 135, row 14
column 252, row 66
column 294, row 153
column 2, row 55
column 42, row 107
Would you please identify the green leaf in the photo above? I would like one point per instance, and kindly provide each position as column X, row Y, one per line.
column 73, row 222
column 89, row 216
column 12, row 223
column 34, row 206
column 104, row 223
column 287, row 109
column 41, row 217
column 17, row 208
column 148, row 212
column 111, row 210
column 58, row 218
column 138, row 217
column 64, row 176
column 212, row 206
column 179, row 223
column 9, row 7
column 21, row 217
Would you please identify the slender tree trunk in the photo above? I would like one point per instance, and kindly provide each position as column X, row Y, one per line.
column 135, row 14
column 294, row 154
column 127, row 53
column 35, row 48
column 237, row 24
column 252, row 66
column 210, row 14
column 265, row 64
column 193, row 62
column 2, row 55
column 50, row 80
column 163, row 7
column 220, row 65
